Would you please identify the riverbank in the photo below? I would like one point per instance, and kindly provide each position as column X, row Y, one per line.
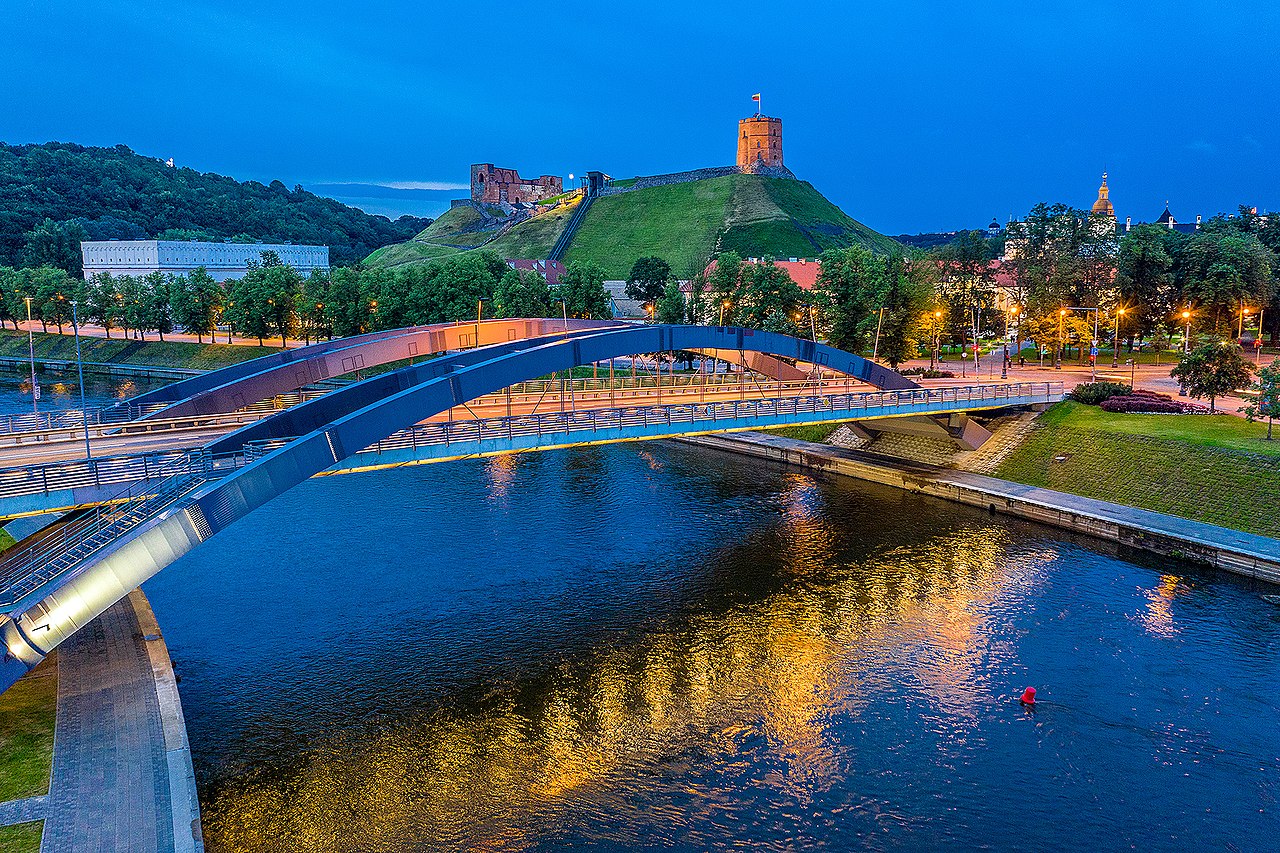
column 58, row 352
column 1231, row 550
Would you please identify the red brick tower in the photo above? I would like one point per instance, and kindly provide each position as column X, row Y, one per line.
column 759, row 143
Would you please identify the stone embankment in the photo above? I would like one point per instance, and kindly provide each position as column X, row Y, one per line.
column 1231, row 550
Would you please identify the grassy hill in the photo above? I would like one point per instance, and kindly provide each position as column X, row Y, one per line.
column 687, row 224
column 466, row 227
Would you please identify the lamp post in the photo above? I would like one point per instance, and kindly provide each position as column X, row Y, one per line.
column 1244, row 312
column 1258, row 346
column 1186, row 335
column 723, row 306
column 1009, row 314
column 1115, row 341
column 875, row 348
column 1057, row 352
column 31, row 352
column 479, row 315
column 84, row 410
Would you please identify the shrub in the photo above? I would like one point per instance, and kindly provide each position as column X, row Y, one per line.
column 1095, row 393
column 1149, row 402
column 927, row 373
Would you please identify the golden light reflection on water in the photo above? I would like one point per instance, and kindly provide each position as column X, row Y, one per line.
column 499, row 774
column 1158, row 617
column 501, row 474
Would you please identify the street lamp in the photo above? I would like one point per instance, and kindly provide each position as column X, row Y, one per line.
column 1186, row 336
column 479, row 309
column 723, row 306
column 31, row 352
column 875, row 348
column 1057, row 353
column 1244, row 312
column 1009, row 314
column 84, row 410
column 1115, row 342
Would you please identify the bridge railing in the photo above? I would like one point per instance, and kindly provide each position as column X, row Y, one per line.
column 675, row 414
column 70, row 544
column 55, row 420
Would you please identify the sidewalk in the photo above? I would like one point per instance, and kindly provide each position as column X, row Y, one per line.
column 89, row 330
column 122, row 776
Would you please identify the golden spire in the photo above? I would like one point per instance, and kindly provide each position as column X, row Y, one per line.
column 1103, row 204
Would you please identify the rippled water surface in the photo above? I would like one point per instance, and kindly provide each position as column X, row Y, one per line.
column 660, row 647
column 61, row 391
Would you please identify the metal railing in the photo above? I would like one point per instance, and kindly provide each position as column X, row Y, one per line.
column 67, row 546
column 596, row 420
column 183, row 472
column 69, row 423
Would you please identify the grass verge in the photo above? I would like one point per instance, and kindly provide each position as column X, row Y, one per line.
column 1217, row 469
column 809, row 432
column 27, row 713
column 21, row 838
column 118, row 351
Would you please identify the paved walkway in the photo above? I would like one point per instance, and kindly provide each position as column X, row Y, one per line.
column 121, row 773
column 22, row 811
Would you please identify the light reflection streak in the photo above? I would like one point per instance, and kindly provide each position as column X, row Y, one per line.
column 535, row 756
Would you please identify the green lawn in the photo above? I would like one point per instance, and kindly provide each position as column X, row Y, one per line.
column 534, row 238
column 23, row 838
column 1218, row 469
column 26, row 733
column 6, row 540
column 818, row 433
column 116, row 350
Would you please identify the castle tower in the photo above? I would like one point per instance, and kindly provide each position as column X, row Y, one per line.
column 760, row 143
column 1103, row 204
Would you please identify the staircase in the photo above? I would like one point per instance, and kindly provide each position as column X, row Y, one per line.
column 25, row 569
column 570, row 228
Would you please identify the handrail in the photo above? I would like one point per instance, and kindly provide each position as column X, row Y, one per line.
column 166, row 483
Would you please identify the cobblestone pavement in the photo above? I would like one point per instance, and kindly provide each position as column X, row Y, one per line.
column 22, row 811
column 109, row 790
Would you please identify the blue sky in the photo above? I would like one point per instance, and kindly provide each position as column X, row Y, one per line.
column 912, row 116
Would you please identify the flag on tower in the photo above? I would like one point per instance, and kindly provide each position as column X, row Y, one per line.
column 756, row 98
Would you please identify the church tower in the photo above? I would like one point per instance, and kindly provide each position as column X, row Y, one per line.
column 1103, row 204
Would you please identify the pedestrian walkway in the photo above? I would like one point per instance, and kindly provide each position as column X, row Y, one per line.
column 22, row 811
column 122, row 775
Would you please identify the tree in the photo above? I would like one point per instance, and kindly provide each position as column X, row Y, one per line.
column 50, row 287
column 1213, row 370
column 648, row 279
column 1144, row 277
column 134, row 304
column 908, row 292
column 247, row 307
column 722, row 283
column 583, row 291
column 348, row 303
column 314, row 309
column 1222, row 271
column 1267, row 402
column 197, row 301
column 670, row 305
column 522, row 293
column 102, row 301
column 55, row 244
column 768, row 299
column 159, row 310
column 850, row 285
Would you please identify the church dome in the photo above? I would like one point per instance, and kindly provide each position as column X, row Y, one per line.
column 1103, row 204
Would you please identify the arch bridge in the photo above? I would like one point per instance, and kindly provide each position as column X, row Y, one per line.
column 57, row 583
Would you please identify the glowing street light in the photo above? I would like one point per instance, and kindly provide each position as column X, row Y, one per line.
column 1115, row 343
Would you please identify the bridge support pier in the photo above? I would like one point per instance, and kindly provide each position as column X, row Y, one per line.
column 957, row 427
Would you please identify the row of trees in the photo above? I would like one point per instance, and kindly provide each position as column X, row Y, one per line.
column 274, row 301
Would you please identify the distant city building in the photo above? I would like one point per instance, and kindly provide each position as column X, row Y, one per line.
column 492, row 185
column 223, row 261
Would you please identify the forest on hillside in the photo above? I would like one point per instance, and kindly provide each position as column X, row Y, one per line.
column 54, row 195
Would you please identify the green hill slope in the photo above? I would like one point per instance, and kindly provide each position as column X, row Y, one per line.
column 105, row 193
column 466, row 227
column 686, row 223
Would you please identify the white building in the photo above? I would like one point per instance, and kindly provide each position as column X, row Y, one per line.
column 223, row 261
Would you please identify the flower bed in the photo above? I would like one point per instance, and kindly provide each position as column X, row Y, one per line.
column 1150, row 402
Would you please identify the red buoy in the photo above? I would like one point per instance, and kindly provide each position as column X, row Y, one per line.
column 1028, row 696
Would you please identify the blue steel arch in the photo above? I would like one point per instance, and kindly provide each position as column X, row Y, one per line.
column 407, row 396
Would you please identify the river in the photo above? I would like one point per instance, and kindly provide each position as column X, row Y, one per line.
column 661, row 647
